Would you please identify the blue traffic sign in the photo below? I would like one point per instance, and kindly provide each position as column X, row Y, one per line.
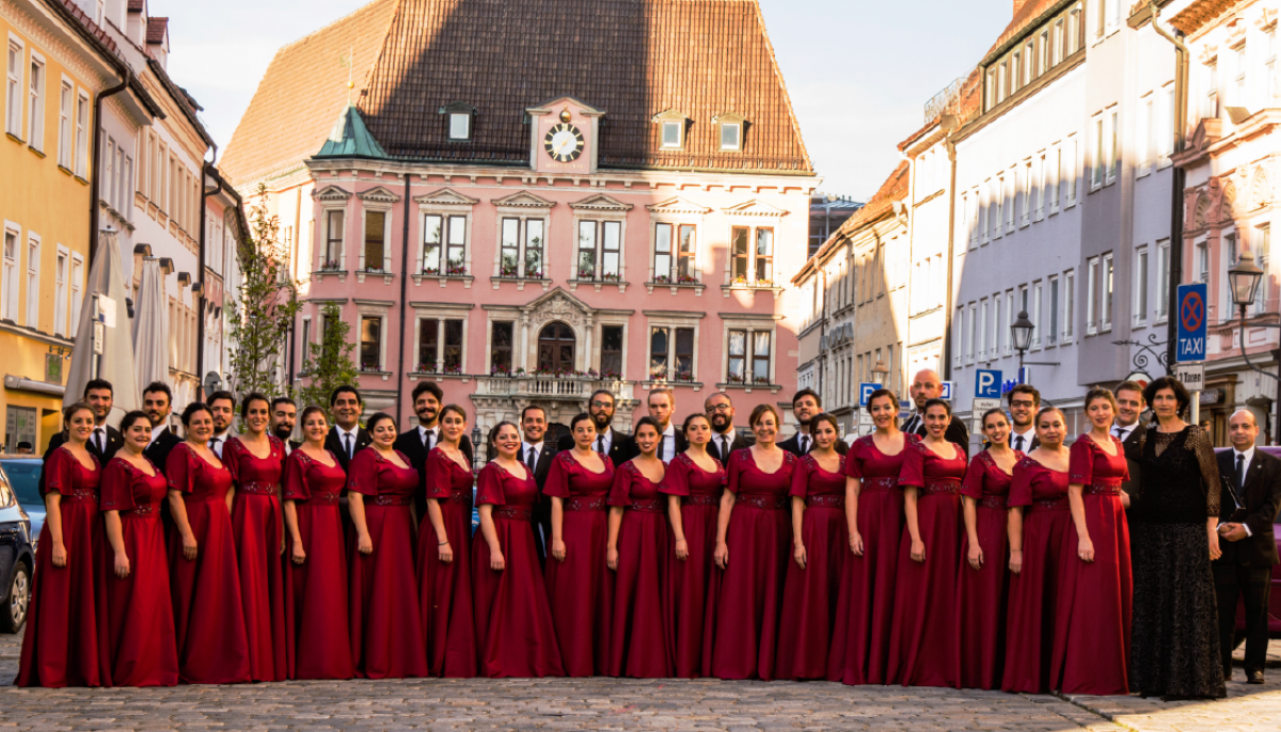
column 946, row 391
column 987, row 384
column 865, row 390
column 1191, row 313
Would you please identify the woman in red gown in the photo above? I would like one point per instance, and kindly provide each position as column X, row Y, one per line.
column 61, row 646
column 317, row 632
column 821, row 543
column 693, row 482
column 874, row 518
column 256, row 461
column 1038, row 528
column 979, row 632
column 213, row 646
column 139, row 644
column 1092, row 633
column 753, row 544
column 636, row 550
column 386, row 622
column 921, row 651
column 444, row 554
column 515, row 634
column 580, row 588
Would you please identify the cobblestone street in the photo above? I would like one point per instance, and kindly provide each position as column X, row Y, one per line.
column 608, row 704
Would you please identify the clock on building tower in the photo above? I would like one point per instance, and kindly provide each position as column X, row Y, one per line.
column 563, row 142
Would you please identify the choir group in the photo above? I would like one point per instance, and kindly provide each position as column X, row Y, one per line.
column 670, row 552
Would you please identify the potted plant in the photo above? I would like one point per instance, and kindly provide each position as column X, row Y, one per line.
column 585, row 273
column 456, row 269
column 734, row 379
column 662, row 279
column 500, row 370
column 761, row 380
column 687, row 280
column 609, row 277
column 509, row 269
column 330, row 265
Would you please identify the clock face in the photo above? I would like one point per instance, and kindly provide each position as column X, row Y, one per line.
column 564, row 143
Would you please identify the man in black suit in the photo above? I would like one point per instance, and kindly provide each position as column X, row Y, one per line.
column 222, row 406
column 662, row 405
column 926, row 385
column 284, row 415
column 615, row 445
column 418, row 442
column 1250, row 499
column 1129, row 429
column 346, row 437
column 157, row 402
column 806, row 405
column 1024, row 401
column 537, row 455
column 105, row 440
column 725, row 439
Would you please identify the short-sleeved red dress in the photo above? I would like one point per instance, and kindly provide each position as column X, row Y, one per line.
column 60, row 646
column 444, row 590
column 318, row 632
column 741, row 637
column 581, row 588
column 1092, row 635
column 386, row 621
column 1034, row 592
column 979, row 633
column 925, row 592
column 640, row 631
column 865, row 608
column 809, row 600
column 208, row 615
column 257, row 519
column 514, row 630
column 138, row 611
column 688, row 579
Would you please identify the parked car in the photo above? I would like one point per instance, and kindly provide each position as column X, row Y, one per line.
column 17, row 558
column 24, row 478
column 1274, row 599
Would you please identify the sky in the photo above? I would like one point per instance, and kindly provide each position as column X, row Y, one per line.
column 859, row 71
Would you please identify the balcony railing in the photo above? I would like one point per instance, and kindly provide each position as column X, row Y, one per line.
column 554, row 387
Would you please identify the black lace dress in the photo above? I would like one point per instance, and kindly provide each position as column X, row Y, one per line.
column 1175, row 648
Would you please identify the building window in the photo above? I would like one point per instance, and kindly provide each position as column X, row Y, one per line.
column 980, row 331
column 611, row 351
column 13, row 91
column 1044, row 56
column 1058, row 42
column 1203, row 261
column 1114, row 146
column 35, row 127
column 1016, row 76
column 459, row 126
column 958, row 323
column 335, row 220
column 1091, row 294
column 9, row 294
column 749, row 357
column 1241, row 89
column 375, row 240
column 671, row 354
column 1099, row 169
column 1106, row 306
column 1069, row 299
column 1141, row 286
column 998, row 325
column 752, row 264
column 444, row 235
column 1162, row 279
column 510, row 260
column 371, row 330
column 1029, row 61
column 1210, row 102
column 731, row 135
column 60, row 294
column 1000, row 82
column 440, row 346
column 1069, row 172
column 672, row 134
column 534, row 260
column 1262, row 257
column 1074, row 28
column 970, row 315
column 77, row 280
column 1037, row 324
column 33, row 281
column 675, row 261
column 82, row 135
column 64, row 125
column 1026, row 179
column 1269, row 66
column 500, row 348
column 599, row 250
column 1144, row 134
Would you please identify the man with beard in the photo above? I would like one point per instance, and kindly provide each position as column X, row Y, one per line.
column 619, row 448
column 157, row 402
column 223, row 406
column 725, row 439
column 105, row 439
column 662, row 405
column 1025, row 402
column 927, row 385
column 806, row 405
column 346, row 437
column 284, row 413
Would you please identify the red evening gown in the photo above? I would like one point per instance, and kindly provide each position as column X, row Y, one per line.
column 317, row 629
column 1092, row 633
column 139, row 645
column 444, row 590
column 979, row 632
column 581, row 588
column 741, row 635
column 386, row 622
column 809, row 600
column 515, row 634
column 865, row 609
column 213, row 647
column 640, row 631
column 688, row 578
column 61, row 645
column 925, row 593
column 257, row 520
column 1034, row 591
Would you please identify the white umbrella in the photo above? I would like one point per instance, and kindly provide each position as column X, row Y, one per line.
column 151, row 326
column 106, row 286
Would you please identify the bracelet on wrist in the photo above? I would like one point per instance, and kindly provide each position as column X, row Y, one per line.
column 446, row 541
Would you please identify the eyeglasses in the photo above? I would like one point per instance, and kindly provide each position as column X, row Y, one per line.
column 719, row 408
column 1022, row 403
column 602, row 405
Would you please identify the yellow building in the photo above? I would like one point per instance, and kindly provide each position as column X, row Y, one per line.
column 58, row 61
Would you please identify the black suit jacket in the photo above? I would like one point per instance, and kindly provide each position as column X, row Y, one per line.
column 793, row 445
column 411, row 444
column 738, row 443
column 1133, row 447
column 333, row 443
column 1027, row 446
column 543, row 507
column 621, row 447
column 158, row 451
column 956, row 433
column 1262, row 497
column 115, row 441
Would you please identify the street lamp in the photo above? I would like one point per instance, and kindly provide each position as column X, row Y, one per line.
column 1244, row 279
column 1021, row 333
column 880, row 372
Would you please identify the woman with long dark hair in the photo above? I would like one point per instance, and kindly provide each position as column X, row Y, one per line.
column 580, row 586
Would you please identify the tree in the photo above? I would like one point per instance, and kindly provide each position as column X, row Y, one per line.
column 263, row 308
column 328, row 365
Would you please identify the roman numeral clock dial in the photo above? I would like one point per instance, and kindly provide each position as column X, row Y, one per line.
column 564, row 143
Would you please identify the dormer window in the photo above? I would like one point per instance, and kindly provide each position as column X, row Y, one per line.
column 458, row 121
column 731, row 135
column 671, row 128
column 672, row 134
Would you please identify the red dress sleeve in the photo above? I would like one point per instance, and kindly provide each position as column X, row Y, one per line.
column 737, row 463
column 620, row 493
column 801, row 477
column 436, row 478
column 116, row 490
column 854, row 461
column 912, row 474
column 232, row 454
column 676, row 479
column 362, row 475
column 972, row 484
column 1021, row 485
column 57, row 472
column 489, row 486
column 179, row 470
column 295, row 478
column 557, row 484
column 1081, row 462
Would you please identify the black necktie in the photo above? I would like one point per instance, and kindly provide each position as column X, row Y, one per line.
column 533, row 459
column 1239, row 478
column 213, row 445
column 347, row 439
column 1018, row 444
column 600, row 444
column 805, row 444
column 724, row 448
column 98, row 438
column 429, row 437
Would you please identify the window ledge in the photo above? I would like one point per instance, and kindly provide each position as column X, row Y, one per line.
column 416, row 375
column 319, row 275
column 575, row 282
column 670, row 383
column 444, row 280
column 81, row 180
column 520, row 282
column 36, row 152
column 375, row 372
column 726, row 289
column 747, row 388
column 388, row 277
column 15, row 138
column 697, row 287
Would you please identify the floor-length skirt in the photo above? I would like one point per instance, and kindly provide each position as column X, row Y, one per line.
column 256, row 519
column 810, row 595
column 444, row 594
column 318, row 641
column 515, row 636
column 688, row 581
column 979, row 632
column 641, row 644
column 925, row 597
column 741, row 635
column 580, row 591
column 139, row 645
column 865, row 608
column 213, row 647
column 1092, row 633
column 61, row 644
column 386, row 622
column 1033, row 602
column 1175, row 649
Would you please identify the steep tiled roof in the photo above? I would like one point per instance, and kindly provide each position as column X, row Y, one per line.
column 89, row 25
column 156, row 28
column 893, row 189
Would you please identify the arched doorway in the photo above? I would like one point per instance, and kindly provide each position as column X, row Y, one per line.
column 556, row 344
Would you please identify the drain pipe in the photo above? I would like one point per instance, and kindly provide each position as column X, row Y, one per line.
column 1176, row 188
column 404, row 294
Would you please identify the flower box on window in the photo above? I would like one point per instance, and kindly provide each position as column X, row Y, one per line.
column 499, row 370
column 761, row 380
column 609, row 277
column 683, row 376
column 610, row 375
column 329, row 266
column 587, row 274
column 734, row 379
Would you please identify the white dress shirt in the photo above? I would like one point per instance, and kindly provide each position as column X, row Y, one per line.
column 1027, row 439
column 156, row 432
column 724, row 442
column 604, row 441
column 537, row 449
column 222, row 442
column 342, row 439
column 435, row 435
column 669, row 443
column 1245, row 471
column 99, row 438
column 1121, row 431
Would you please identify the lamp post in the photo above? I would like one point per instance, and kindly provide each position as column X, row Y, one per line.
column 880, row 372
column 1244, row 280
column 1021, row 333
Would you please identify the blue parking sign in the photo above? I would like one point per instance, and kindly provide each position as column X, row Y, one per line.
column 865, row 390
column 987, row 384
column 946, row 391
